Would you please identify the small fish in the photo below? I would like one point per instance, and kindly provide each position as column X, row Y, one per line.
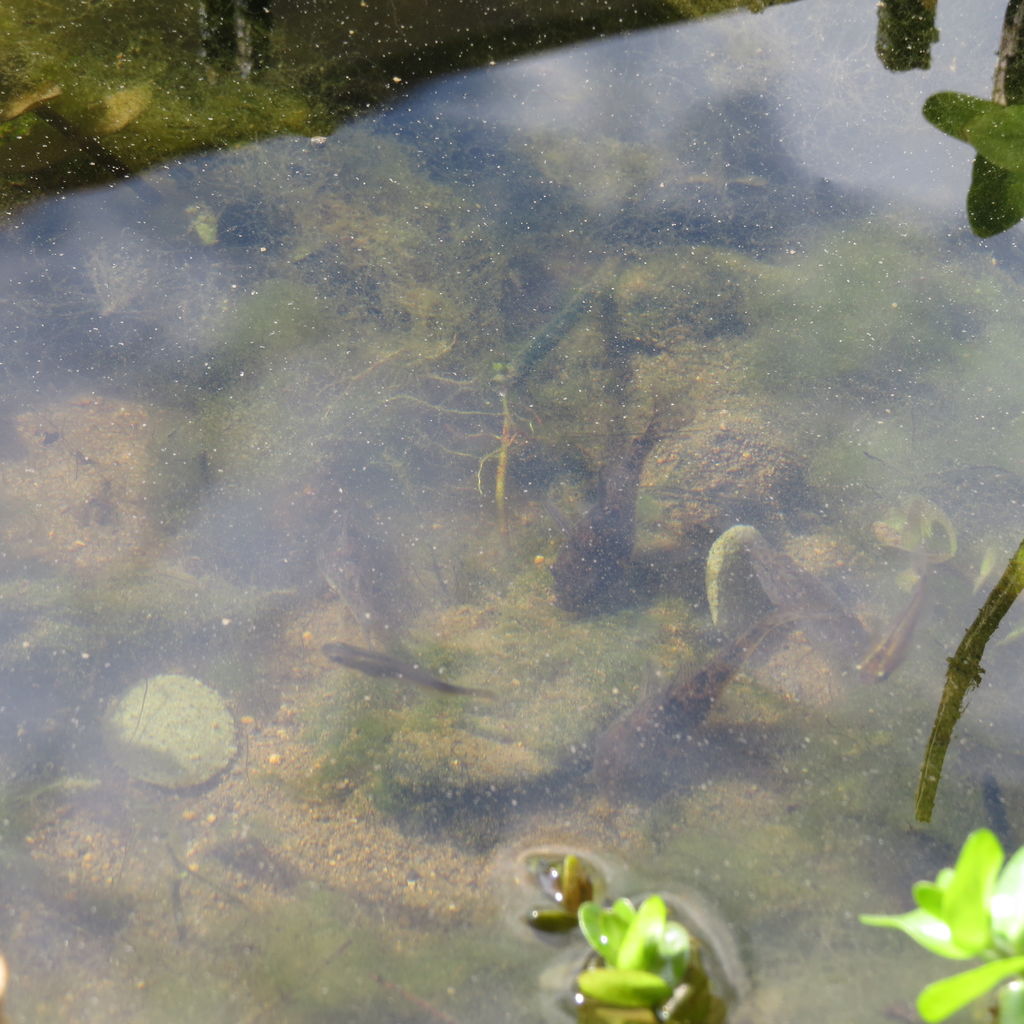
column 383, row 666
column 887, row 656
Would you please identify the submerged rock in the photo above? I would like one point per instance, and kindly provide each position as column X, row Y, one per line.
column 172, row 731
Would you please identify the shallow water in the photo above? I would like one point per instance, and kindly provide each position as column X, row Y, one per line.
column 361, row 409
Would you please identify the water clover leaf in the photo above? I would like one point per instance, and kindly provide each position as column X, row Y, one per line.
column 674, row 950
column 965, row 903
column 942, row 998
column 975, row 909
column 997, row 133
column 928, row 896
column 590, row 917
column 1011, row 1003
column 995, row 200
column 1007, row 906
column 952, row 112
column 646, row 956
column 605, row 929
column 639, row 949
column 615, row 986
column 925, row 928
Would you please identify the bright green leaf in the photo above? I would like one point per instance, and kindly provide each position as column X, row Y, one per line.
column 639, row 949
column 623, row 910
column 605, row 929
column 675, row 939
column 589, row 918
column 924, row 928
column 1011, row 1003
column 623, row 988
column 965, row 902
column 1007, row 905
column 674, row 950
column 928, row 896
column 943, row 998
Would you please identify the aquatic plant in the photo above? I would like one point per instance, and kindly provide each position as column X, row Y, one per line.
column 973, row 910
column 568, row 882
column 648, row 961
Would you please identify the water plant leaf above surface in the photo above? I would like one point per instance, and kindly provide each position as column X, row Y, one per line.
column 972, row 910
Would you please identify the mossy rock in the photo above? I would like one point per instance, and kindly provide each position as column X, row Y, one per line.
column 172, row 731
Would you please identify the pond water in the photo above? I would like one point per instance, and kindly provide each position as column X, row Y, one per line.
column 364, row 390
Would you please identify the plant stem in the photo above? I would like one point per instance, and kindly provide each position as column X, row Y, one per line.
column 963, row 675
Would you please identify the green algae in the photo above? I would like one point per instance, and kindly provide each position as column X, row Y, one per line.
column 861, row 311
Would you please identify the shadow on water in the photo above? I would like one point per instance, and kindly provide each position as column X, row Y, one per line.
column 423, row 446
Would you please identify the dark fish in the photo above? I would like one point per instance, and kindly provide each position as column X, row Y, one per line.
column 591, row 564
column 383, row 666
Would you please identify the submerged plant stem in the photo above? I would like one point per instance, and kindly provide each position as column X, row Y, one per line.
column 501, row 473
column 962, row 676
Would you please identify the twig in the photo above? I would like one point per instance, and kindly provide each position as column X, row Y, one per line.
column 963, row 675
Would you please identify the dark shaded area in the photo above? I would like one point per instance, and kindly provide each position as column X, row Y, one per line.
column 250, row 70
column 591, row 565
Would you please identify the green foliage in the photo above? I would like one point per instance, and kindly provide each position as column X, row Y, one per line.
column 647, row 954
column 995, row 201
column 971, row 910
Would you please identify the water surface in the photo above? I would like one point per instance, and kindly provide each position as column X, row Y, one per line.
column 354, row 389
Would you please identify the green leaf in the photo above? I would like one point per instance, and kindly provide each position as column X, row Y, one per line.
column 928, row 896
column 624, row 988
column 605, row 929
column 639, row 949
column 1007, row 905
column 589, row 918
column 1011, row 1003
column 675, row 939
column 943, row 998
column 952, row 112
column 674, row 951
column 995, row 201
column 997, row 134
column 965, row 902
column 924, row 928
column 623, row 910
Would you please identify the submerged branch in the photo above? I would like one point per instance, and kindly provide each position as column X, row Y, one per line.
column 963, row 675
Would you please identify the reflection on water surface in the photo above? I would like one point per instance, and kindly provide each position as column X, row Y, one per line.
column 361, row 391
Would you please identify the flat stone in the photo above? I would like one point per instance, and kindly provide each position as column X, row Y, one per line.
column 172, row 731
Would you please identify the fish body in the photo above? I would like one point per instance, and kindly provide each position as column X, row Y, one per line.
column 592, row 562
column 384, row 666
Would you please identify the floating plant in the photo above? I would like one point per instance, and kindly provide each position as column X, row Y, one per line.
column 647, row 961
column 568, row 882
column 973, row 910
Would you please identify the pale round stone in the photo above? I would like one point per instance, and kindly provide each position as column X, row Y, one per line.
column 171, row 731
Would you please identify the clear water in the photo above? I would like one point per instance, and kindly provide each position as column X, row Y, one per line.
column 261, row 402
